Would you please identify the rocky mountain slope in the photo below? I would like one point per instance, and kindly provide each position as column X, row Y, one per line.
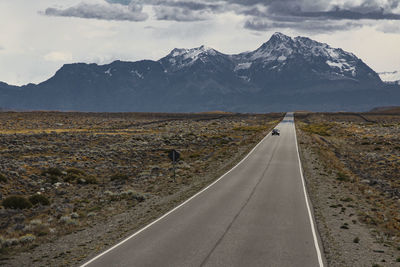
column 283, row 74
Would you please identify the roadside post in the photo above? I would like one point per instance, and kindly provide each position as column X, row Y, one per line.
column 174, row 156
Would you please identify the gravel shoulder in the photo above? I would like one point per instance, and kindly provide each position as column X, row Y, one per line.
column 345, row 207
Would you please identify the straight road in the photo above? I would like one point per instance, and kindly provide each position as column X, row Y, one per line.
column 257, row 214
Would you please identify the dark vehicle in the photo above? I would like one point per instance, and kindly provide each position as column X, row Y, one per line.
column 275, row 132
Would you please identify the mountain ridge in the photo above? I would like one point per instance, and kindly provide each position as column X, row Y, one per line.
column 282, row 74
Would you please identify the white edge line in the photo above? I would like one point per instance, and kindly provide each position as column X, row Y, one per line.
column 320, row 261
column 174, row 209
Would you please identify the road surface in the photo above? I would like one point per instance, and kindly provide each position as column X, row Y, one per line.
column 255, row 215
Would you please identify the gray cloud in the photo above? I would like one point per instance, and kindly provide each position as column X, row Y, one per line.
column 180, row 14
column 186, row 10
column 323, row 9
column 260, row 14
column 131, row 12
column 258, row 24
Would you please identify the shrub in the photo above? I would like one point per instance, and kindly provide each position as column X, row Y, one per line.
column 130, row 194
column 37, row 227
column 70, row 178
column 91, row 180
column 3, row 178
column 52, row 179
column 356, row 240
column 52, row 171
column 74, row 215
column 87, row 180
column 27, row 239
column 347, row 199
column 68, row 220
column 119, row 177
column 10, row 242
column 16, row 202
column 342, row 177
column 39, row 199
column 76, row 172
column 322, row 129
column 2, row 243
column 345, row 226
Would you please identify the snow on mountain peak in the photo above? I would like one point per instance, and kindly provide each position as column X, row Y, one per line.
column 280, row 36
column 280, row 48
column 192, row 52
column 184, row 57
column 391, row 76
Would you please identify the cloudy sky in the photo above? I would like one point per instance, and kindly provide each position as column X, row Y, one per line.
column 38, row 37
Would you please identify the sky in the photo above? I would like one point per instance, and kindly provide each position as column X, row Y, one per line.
column 38, row 37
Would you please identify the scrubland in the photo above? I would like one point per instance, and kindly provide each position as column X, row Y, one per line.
column 73, row 184
column 352, row 166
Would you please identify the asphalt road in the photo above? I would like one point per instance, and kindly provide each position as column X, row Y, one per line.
column 255, row 215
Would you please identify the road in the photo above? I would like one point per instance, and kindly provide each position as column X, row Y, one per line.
column 257, row 214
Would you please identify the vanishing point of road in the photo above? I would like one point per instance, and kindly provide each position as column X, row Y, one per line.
column 257, row 214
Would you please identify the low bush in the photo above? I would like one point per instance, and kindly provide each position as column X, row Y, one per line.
column 322, row 129
column 27, row 239
column 16, row 202
column 133, row 195
column 52, row 179
column 87, row 180
column 77, row 172
column 347, row 199
column 342, row 177
column 39, row 199
column 67, row 220
column 3, row 179
column 119, row 177
column 52, row 171
column 70, row 178
column 10, row 242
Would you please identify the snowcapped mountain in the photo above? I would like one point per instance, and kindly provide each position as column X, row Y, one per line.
column 280, row 60
column 390, row 77
column 284, row 73
column 301, row 59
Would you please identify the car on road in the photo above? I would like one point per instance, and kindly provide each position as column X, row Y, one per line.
column 275, row 132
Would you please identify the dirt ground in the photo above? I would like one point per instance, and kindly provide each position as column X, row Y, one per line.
column 351, row 164
column 80, row 182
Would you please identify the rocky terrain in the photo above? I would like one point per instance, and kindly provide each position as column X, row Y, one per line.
column 73, row 184
column 352, row 163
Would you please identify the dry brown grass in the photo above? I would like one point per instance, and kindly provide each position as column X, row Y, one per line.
column 73, row 159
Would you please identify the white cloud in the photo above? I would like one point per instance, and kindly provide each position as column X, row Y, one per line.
column 58, row 56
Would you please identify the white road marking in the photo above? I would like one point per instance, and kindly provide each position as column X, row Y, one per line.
column 320, row 261
column 174, row 209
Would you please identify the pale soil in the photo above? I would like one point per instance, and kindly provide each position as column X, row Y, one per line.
column 339, row 209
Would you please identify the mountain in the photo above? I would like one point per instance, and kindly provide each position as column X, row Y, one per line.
column 390, row 77
column 282, row 74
